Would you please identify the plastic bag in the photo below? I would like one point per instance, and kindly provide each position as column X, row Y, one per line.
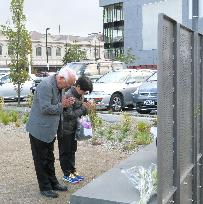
column 84, row 128
column 144, row 180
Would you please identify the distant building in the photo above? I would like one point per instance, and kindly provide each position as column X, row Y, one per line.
column 56, row 44
column 134, row 24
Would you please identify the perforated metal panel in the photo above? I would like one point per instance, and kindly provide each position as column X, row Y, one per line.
column 200, row 141
column 166, row 100
column 180, row 91
column 184, row 98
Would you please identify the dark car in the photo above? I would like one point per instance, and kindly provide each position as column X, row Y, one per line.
column 145, row 96
column 39, row 77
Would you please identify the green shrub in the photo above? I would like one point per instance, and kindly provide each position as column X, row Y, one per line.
column 30, row 100
column 4, row 117
column 143, row 126
column 7, row 117
column 143, row 138
column 1, row 103
column 110, row 133
column 25, row 117
column 13, row 115
column 95, row 119
column 126, row 123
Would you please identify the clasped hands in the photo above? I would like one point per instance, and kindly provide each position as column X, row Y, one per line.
column 67, row 101
column 87, row 104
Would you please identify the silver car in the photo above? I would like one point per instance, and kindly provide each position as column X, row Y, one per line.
column 113, row 90
column 9, row 91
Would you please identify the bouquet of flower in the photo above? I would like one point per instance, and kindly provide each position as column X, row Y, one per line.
column 144, row 180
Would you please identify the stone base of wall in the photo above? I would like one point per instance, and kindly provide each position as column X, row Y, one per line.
column 113, row 186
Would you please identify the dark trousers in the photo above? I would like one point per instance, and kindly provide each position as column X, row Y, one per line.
column 43, row 157
column 67, row 147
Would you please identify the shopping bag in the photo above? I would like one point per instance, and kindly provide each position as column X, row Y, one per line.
column 84, row 128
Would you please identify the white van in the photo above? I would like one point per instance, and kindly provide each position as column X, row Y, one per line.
column 95, row 70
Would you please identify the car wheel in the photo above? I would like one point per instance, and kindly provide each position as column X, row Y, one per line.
column 144, row 111
column 116, row 102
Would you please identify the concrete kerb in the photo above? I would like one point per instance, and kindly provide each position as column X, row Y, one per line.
column 113, row 187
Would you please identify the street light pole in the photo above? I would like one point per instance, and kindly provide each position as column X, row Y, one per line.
column 195, row 14
column 95, row 51
column 99, row 51
column 47, row 50
column 153, row 57
column 6, row 60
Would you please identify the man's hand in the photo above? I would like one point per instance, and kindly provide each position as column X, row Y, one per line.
column 87, row 104
column 67, row 101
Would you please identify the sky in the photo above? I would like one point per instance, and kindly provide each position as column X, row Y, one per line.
column 75, row 17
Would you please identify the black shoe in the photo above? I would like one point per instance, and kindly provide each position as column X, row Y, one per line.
column 59, row 187
column 49, row 193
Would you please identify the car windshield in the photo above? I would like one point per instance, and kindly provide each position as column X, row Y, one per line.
column 5, row 79
column 153, row 77
column 137, row 78
column 78, row 67
column 113, row 77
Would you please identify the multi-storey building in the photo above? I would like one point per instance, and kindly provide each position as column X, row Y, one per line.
column 56, row 45
column 133, row 24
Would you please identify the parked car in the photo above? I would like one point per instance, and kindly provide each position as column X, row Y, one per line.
column 94, row 69
column 9, row 91
column 113, row 90
column 38, row 78
column 4, row 71
column 145, row 96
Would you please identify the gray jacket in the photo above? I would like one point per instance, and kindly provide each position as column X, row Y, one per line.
column 45, row 112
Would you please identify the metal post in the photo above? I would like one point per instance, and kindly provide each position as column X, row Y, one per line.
column 153, row 56
column 195, row 14
column 99, row 50
column 6, row 60
column 201, row 120
column 95, row 50
column 47, row 50
column 195, row 17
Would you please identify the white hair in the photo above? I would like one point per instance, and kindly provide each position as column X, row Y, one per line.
column 67, row 73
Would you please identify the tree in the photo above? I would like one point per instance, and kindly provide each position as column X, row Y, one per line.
column 74, row 54
column 19, row 45
column 128, row 58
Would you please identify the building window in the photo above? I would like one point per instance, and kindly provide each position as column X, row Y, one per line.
column 58, row 51
column 0, row 50
column 113, row 29
column 113, row 13
column 49, row 51
column 38, row 51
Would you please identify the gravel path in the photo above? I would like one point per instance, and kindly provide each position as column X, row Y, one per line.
column 18, row 182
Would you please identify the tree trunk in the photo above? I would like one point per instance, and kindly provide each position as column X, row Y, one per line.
column 18, row 91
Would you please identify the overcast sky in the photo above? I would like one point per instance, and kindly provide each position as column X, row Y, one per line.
column 75, row 17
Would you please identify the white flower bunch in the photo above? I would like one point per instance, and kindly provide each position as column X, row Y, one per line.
column 144, row 180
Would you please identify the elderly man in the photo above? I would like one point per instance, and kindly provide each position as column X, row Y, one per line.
column 42, row 126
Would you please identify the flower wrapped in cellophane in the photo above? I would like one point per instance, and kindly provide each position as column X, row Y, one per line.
column 144, row 180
